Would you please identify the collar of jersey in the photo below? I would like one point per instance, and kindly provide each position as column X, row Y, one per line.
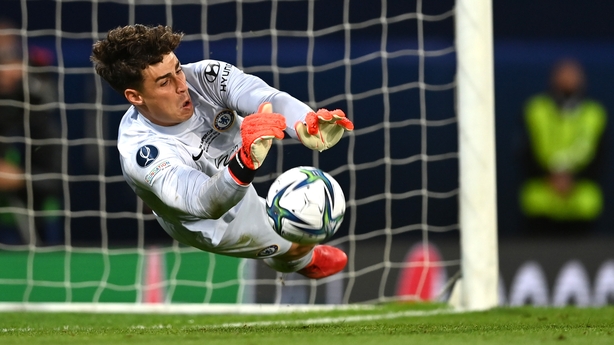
column 172, row 130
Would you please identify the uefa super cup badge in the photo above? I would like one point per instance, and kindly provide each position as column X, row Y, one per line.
column 146, row 155
column 224, row 120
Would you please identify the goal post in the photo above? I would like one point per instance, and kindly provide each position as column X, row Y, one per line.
column 477, row 174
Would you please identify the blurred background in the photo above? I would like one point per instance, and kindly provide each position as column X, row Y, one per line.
column 530, row 37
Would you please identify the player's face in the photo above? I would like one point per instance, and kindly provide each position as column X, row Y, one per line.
column 164, row 98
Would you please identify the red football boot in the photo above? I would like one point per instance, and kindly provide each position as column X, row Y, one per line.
column 326, row 261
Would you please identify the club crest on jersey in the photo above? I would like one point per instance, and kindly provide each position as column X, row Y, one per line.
column 224, row 120
column 270, row 250
column 211, row 71
column 146, row 155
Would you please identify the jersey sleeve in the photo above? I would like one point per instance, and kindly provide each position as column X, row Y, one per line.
column 230, row 87
column 173, row 188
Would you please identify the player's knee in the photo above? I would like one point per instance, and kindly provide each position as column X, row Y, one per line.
column 297, row 251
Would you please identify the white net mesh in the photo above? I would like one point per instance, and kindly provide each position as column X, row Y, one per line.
column 390, row 65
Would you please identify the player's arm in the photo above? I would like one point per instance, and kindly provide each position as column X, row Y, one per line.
column 316, row 130
column 179, row 188
column 200, row 195
column 319, row 130
column 244, row 92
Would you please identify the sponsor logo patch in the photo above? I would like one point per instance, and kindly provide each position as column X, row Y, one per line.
column 270, row 250
column 146, row 155
column 211, row 71
column 224, row 120
column 224, row 159
column 153, row 172
column 225, row 76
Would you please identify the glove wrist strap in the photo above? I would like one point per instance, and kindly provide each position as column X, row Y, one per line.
column 240, row 171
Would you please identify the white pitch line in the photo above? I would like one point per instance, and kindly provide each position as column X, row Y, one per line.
column 306, row 322
column 173, row 308
column 326, row 320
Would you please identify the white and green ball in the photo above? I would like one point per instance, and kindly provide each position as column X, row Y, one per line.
column 305, row 205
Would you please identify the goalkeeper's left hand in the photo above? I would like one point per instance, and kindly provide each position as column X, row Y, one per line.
column 322, row 130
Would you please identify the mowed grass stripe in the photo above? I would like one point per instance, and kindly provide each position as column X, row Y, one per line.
column 389, row 325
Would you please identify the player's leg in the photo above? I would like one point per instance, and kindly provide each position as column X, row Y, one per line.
column 247, row 233
column 296, row 251
column 325, row 261
column 313, row 261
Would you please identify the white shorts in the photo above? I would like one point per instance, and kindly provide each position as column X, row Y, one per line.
column 243, row 232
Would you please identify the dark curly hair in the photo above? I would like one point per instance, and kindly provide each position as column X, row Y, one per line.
column 121, row 58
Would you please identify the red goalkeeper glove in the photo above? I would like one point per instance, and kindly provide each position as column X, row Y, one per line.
column 323, row 129
column 257, row 132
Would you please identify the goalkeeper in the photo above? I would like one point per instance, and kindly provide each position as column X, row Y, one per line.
column 189, row 150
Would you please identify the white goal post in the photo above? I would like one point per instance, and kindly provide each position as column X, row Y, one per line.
column 477, row 197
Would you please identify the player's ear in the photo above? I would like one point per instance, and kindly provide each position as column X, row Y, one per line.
column 133, row 96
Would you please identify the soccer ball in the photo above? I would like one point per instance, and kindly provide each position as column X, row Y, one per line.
column 305, row 205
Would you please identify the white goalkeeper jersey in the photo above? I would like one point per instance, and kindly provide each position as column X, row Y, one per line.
column 181, row 171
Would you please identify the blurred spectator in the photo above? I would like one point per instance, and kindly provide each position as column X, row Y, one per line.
column 21, row 163
column 565, row 130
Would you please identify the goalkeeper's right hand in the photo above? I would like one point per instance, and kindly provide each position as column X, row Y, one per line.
column 257, row 132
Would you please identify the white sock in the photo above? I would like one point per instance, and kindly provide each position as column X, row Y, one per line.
column 285, row 266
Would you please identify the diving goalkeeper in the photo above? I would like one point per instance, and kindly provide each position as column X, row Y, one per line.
column 193, row 138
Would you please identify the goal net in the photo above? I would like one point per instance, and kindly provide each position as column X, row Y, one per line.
column 75, row 234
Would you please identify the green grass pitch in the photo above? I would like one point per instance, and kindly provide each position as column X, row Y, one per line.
column 389, row 324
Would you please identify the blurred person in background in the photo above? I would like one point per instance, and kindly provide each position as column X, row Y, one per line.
column 22, row 116
column 565, row 131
